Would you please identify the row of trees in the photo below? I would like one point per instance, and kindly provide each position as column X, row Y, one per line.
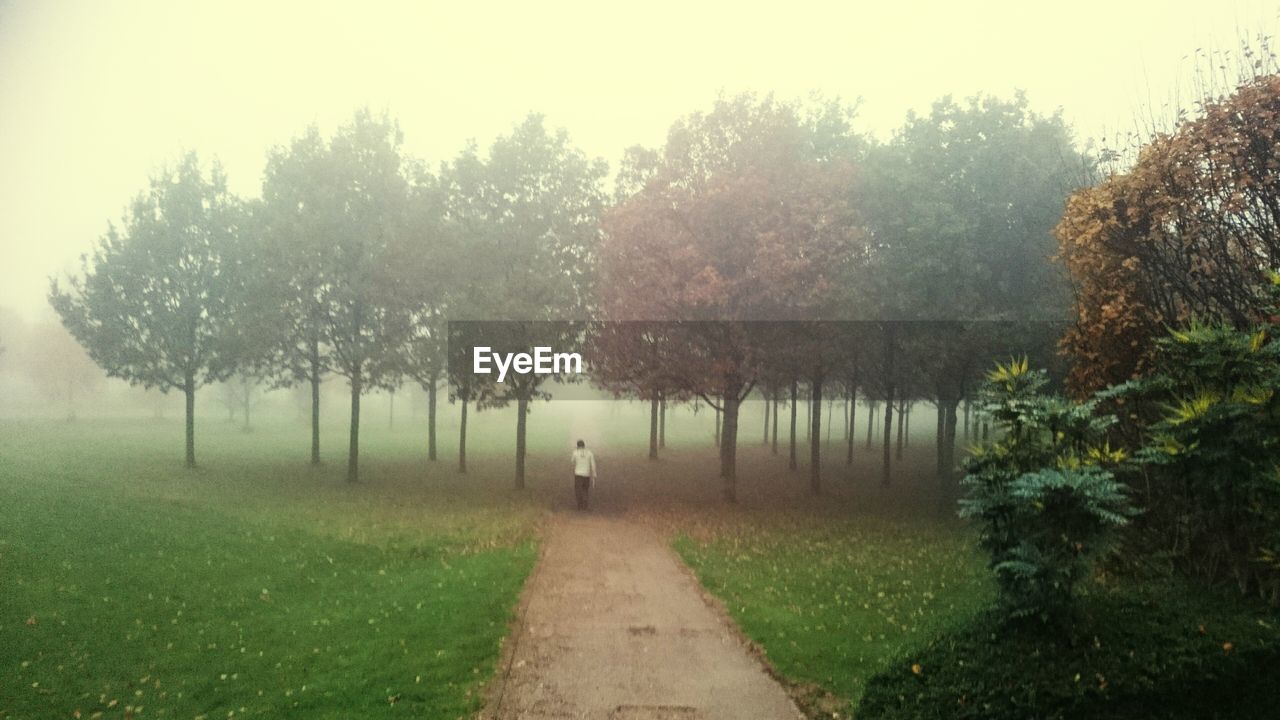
column 936, row 245
column 45, row 355
column 348, row 265
column 357, row 256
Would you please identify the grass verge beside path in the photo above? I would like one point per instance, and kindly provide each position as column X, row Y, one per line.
column 832, row 601
column 874, row 617
column 247, row 588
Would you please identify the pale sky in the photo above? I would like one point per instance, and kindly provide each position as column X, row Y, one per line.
column 96, row 95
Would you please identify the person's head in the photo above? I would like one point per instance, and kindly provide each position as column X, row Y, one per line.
column 581, row 444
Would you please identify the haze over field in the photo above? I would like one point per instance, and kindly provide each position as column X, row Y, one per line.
column 889, row 361
column 98, row 95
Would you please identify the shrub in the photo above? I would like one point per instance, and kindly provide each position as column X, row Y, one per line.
column 1042, row 492
column 1168, row 651
column 1212, row 452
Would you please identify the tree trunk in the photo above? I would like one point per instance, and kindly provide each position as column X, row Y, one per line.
column 940, row 438
column 808, row 418
column 729, row 443
column 766, row 421
column 315, row 401
column 662, row 421
column 907, row 421
column 871, row 421
column 462, row 438
column 949, row 444
column 353, row 449
column 717, row 427
column 795, row 391
column 522, row 416
column 830, row 413
column 391, row 412
column 653, row 427
column 775, row 421
column 886, row 470
column 889, row 347
column 947, row 489
column 189, row 390
column 853, row 416
column 432, row 391
column 968, row 406
column 902, row 421
column 844, row 412
column 815, row 442
column 247, row 400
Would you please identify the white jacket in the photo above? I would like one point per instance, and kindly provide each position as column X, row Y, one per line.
column 584, row 462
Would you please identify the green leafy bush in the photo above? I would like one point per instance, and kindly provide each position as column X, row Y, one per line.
column 1042, row 492
column 1212, row 452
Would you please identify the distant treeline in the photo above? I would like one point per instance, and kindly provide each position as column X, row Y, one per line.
column 939, row 242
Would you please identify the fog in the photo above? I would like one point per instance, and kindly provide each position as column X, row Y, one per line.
column 582, row 359
column 97, row 95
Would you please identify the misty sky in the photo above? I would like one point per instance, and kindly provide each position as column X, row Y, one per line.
column 95, row 95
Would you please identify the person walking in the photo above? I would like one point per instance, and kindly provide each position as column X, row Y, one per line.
column 584, row 473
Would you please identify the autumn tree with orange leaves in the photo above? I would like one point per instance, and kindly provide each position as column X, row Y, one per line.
column 745, row 215
column 1190, row 231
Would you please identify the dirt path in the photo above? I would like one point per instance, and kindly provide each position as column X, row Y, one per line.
column 614, row 627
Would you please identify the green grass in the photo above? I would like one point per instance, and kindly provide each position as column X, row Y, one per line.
column 832, row 601
column 257, row 585
column 877, row 613
column 253, row 586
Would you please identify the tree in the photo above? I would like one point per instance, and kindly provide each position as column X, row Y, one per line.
column 241, row 393
column 302, row 214
column 814, row 352
column 336, row 212
column 154, row 303
column 366, row 318
column 59, row 366
column 1110, row 340
column 744, row 216
column 636, row 359
column 528, row 216
column 426, row 361
column 437, row 257
column 962, row 203
column 462, row 390
column 1191, row 230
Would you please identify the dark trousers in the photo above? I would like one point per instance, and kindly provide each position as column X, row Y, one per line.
column 581, row 486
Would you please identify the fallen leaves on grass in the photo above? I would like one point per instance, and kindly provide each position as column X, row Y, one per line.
column 833, row 600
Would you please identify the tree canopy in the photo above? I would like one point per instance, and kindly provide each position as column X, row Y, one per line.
column 156, row 302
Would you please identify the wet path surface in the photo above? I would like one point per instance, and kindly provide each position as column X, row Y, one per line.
column 613, row 626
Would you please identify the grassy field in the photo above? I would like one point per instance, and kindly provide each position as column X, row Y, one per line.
column 256, row 585
column 832, row 601
column 871, row 593
column 253, row 586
